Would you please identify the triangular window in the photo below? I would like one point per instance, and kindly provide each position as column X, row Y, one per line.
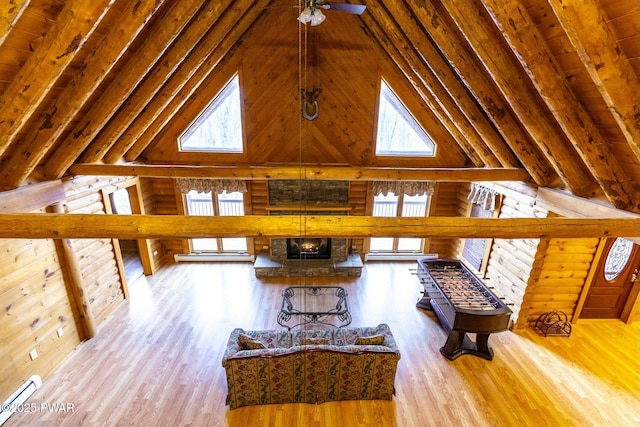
column 399, row 134
column 219, row 126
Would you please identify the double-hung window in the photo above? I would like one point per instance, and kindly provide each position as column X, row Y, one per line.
column 221, row 204
column 402, row 205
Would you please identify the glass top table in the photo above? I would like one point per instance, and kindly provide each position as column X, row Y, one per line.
column 314, row 304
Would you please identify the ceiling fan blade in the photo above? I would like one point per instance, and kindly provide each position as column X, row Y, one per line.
column 356, row 9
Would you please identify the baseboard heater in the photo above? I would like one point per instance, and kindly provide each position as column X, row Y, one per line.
column 13, row 403
column 387, row 256
column 200, row 257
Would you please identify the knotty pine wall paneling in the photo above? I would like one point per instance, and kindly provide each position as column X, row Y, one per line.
column 358, row 194
column 159, row 198
column 464, row 210
column 35, row 288
column 35, row 304
column 445, row 202
column 96, row 257
column 258, row 195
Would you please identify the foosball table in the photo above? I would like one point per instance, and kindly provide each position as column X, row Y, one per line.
column 463, row 304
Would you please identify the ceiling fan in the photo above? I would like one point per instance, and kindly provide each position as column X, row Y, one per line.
column 312, row 12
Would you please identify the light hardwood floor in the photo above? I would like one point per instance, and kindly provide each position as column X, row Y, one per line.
column 156, row 361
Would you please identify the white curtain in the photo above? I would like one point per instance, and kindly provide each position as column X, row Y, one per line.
column 205, row 185
column 482, row 196
column 410, row 188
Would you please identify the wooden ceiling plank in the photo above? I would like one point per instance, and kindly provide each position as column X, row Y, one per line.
column 461, row 131
column 74, row 25
column 193, row 71
column 31, row 148
column 586, row 26
column 146, row 135
column 527, row 43
column 78, row 226
column 442, row 32
column 432, row 59
column 10, row 13
column 510, row 80
column 163, row 33
column 304, row 171
column 157, row 77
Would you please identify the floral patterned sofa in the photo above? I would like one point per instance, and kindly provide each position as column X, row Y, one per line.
column 310, row 366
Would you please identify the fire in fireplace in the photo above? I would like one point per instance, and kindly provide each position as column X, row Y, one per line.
column 308, row 248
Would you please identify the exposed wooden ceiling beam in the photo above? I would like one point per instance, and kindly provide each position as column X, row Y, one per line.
column 537, row 60
column 609, row 68
column 305, row 172
column 40, row 137
column 157, row 40
column 73, row 26
column 569, row 205
column 179, row 88
column 56, row 226
column 31, row 198
column 172, row 58
column 10, row 12
column 455, row 123
column 489, row 47
column 441, row 30
column 427, row 60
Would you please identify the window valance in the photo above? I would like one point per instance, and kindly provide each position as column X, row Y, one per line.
column 206, row 185
column 410, row 188
column 482, row 196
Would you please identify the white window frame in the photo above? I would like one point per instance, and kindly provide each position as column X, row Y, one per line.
column 400, row 212
column 389, row 100
column 232, row 88
column 219, row 243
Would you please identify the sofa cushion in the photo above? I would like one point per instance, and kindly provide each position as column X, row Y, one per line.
column 248, row 343
column 271, row 338
column 349, row 335
column 300, row 334
column 370, row 340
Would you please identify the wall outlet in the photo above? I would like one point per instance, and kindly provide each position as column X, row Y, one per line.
column 34, row 354
column 60, row 332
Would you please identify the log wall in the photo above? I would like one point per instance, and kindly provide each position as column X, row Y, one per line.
column 258, row 203
column 159, row 198
column 511, row 260
column 96, row 257
column 446, row 201
column 559, row 272
column 35, row 303
column 35, row 287
column 358, row 195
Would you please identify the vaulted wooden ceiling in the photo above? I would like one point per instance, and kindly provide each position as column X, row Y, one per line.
column 550, row 87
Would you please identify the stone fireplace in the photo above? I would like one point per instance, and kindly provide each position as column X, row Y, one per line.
column 308, row 248
column 301, row 255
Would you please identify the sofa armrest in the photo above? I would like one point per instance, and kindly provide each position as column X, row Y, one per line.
column 389, row 340
column 233, row 346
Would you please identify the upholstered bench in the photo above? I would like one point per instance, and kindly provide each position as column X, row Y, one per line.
column 310, row 366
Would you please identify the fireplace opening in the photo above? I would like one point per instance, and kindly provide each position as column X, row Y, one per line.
column 308, row 248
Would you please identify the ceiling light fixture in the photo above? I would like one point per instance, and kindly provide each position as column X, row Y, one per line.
column 314, row 16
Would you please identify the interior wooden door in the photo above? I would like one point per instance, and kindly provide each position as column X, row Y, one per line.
column 615, row 275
